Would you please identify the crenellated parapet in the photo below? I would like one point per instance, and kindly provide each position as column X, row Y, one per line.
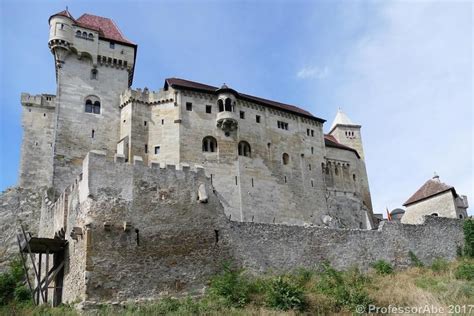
column 146, row 97
column 38, row 100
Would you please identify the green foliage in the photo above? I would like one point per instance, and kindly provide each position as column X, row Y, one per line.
column 439, row 265
column 414, row 260
column 382, row 267
column 10, row 281
column 468, row 228
column 465, row 271
column 345, row 288
column 231, row 286
column 284, row 295
column 22, row 294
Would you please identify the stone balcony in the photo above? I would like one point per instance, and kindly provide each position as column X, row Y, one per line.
column 227, row 121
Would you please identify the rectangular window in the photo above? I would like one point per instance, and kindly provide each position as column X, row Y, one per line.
column 208, row 108
column 257, row 118
column 242, row 114
column 157, row 150
column 312, row 133
column 96, row 109
column 146, row 149
column 189, row 106
column 144, row 123
column 162, row 122
column 307, row 131
column 283, row 125
column 112, row 45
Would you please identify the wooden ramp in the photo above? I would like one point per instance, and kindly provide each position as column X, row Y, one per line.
column 34, row 248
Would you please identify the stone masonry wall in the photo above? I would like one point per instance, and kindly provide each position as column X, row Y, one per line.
column 146, row 234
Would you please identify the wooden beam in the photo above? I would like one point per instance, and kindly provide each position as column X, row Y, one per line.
column 23, row 261
column 31, row 255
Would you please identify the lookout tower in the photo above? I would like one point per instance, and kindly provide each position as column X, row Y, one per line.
column 347, row 133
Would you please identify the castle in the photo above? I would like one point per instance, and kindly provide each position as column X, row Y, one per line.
column 268, row 161
column 145, row 194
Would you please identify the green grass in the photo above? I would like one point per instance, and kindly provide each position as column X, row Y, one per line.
column 320, row 291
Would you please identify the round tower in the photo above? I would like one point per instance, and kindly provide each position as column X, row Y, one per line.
column 60, row 35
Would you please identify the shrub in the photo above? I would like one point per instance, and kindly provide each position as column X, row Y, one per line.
column 382, row 267
column 22, row 294
column 414, row 260
column 465, row 271
column 9, row 281
column 439, row 265
column 231, row 286
column 345, row 288
column 284, row 295
column 468, row 228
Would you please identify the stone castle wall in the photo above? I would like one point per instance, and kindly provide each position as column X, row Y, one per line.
column 146, row 233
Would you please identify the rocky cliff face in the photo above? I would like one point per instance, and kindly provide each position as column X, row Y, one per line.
column 17, row 206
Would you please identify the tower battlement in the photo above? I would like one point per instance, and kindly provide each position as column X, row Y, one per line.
column 38, row 100
column 145, row 96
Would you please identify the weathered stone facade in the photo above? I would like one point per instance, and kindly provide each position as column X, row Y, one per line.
column 145, row 234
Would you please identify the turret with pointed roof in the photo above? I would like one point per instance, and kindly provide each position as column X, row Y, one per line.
column 346, row 132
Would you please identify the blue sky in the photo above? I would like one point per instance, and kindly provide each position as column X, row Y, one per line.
column 403, row 70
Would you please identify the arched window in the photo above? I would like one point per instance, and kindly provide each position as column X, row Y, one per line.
column 228, row 105
column 244, row 149
column 88, row 106
column 91, row 36
column 78, row 33
column 92, row 104
column 84, row 34
column 209, row 144
column 285, row 158
column 94, row 73
column 96, row 107
column 460, row 216
column 220, row 104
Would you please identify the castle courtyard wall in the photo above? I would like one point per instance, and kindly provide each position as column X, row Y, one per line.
column 149, row 232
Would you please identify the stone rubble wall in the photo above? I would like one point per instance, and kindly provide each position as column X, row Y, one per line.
column 147, row 235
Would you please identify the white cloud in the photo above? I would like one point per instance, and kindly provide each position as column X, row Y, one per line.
column 313, row 72
column 409, row 82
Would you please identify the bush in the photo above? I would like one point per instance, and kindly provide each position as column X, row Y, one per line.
column 231, row 286
column 414, row 260
column 439, row 265
column 468, row 228
column 465, row 271
column 382, row 267
column 284, row 295
column 10, row 281
column 22, row 294
column 345, row 288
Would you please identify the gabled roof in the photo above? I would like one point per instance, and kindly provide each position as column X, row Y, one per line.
column 342, row 119
column 430, row 188
column 105, row 26
column 331, row 141
column 200, row 87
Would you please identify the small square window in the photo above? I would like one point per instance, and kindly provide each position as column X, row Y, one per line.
column 157, row 150
column 208, row 108
column 257, row 118
column 112, row 45
column 242, row 114
column 189, row 106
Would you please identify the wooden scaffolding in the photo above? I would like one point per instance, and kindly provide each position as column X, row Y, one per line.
column 34, row 248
